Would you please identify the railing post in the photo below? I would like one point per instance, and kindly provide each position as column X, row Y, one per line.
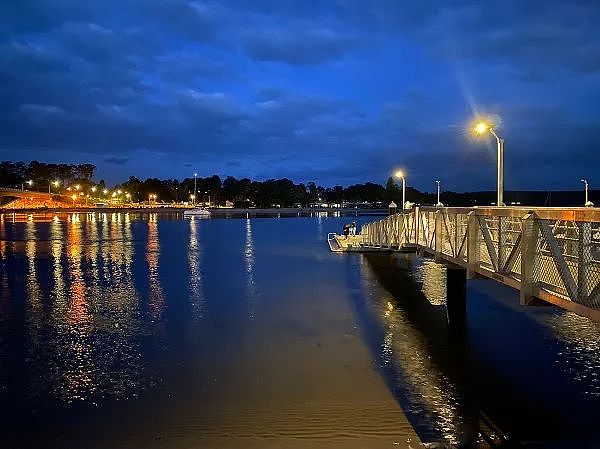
column 400, row 229
column 501, row 243
column 584, row 259
column 438, row 234
column 417, row 216
column 530, row 258
column 473, row 244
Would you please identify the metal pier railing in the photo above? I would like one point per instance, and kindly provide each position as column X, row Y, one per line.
column 547, row 253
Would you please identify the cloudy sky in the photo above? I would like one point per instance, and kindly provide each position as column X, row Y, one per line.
column 331, row 91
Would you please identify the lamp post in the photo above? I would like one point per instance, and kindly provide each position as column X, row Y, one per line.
column 400, row 174
column 28, row 182
column 481, row 128
column 195, row 191
column 588, row 203
column 55, row 184
column 439, row 203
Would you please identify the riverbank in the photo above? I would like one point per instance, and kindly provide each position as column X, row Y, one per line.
column 287, row 211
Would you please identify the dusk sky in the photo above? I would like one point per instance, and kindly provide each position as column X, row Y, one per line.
column 337, row 92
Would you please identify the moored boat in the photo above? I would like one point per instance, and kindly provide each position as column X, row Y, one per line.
column 196, row 212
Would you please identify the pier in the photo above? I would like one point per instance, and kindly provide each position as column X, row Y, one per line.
column 548, row 254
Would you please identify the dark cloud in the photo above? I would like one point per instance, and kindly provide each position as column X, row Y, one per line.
column 117, row 160
column 293, row 88
column 297, row 47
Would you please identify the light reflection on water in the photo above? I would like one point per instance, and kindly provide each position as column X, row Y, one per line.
column 197, row 299
column 156, row 295
column 431, row 395
column 580, row 359
column 82, row 333
column 251, row 287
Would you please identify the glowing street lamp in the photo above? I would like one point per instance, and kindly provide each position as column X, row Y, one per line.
column 439, row 203
column 195, row 190
column 588, row 203
column 54, row 183
column 480, row 128
column 77, row 187
column 400, row 174
column 93, row 189
column 73, row 197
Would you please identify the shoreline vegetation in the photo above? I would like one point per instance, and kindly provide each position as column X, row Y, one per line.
column 50, row 187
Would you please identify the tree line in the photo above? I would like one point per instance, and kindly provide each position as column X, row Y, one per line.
column 13, row 174
column 270, row 193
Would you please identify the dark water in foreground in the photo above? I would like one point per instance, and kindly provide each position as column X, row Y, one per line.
column 103, row 318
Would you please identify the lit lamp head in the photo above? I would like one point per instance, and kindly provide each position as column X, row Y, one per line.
column 399, row 174
column 56, row 183
column 481, row 128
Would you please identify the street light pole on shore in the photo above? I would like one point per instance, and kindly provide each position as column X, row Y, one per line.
column 400, row 174
column 439, row 203
column 481, row 128
column 195, row 190
column 588, row 203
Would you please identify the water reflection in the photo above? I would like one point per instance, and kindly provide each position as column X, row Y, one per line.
column 580, row 359
column 83, row 333
column 197, row 299
column 251, row 287
column 432, row 277
column 156, row 296
column 432, row 396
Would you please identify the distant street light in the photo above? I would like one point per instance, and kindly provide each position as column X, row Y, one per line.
column 195, row 190
column 588, row 203
column 439, row 203
column 29, row 182
column 400, row 174
column 54, row 183
column 73, row 197
column 480, row 128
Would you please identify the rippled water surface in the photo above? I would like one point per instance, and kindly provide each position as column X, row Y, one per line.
column 123, row 324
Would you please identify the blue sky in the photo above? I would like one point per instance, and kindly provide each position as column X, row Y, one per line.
column 335, row 92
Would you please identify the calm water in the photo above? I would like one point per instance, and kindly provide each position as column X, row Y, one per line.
column 122, row 321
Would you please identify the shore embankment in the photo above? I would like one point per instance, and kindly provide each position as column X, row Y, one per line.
column 287, row 211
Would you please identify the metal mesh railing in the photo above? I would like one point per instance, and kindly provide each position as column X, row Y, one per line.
column 566, row 256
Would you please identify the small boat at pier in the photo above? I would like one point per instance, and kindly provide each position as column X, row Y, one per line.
column 196, row 212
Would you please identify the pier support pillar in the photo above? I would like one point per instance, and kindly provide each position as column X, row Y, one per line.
column 456, row 296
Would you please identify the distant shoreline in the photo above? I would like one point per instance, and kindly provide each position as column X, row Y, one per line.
column 213, row 211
